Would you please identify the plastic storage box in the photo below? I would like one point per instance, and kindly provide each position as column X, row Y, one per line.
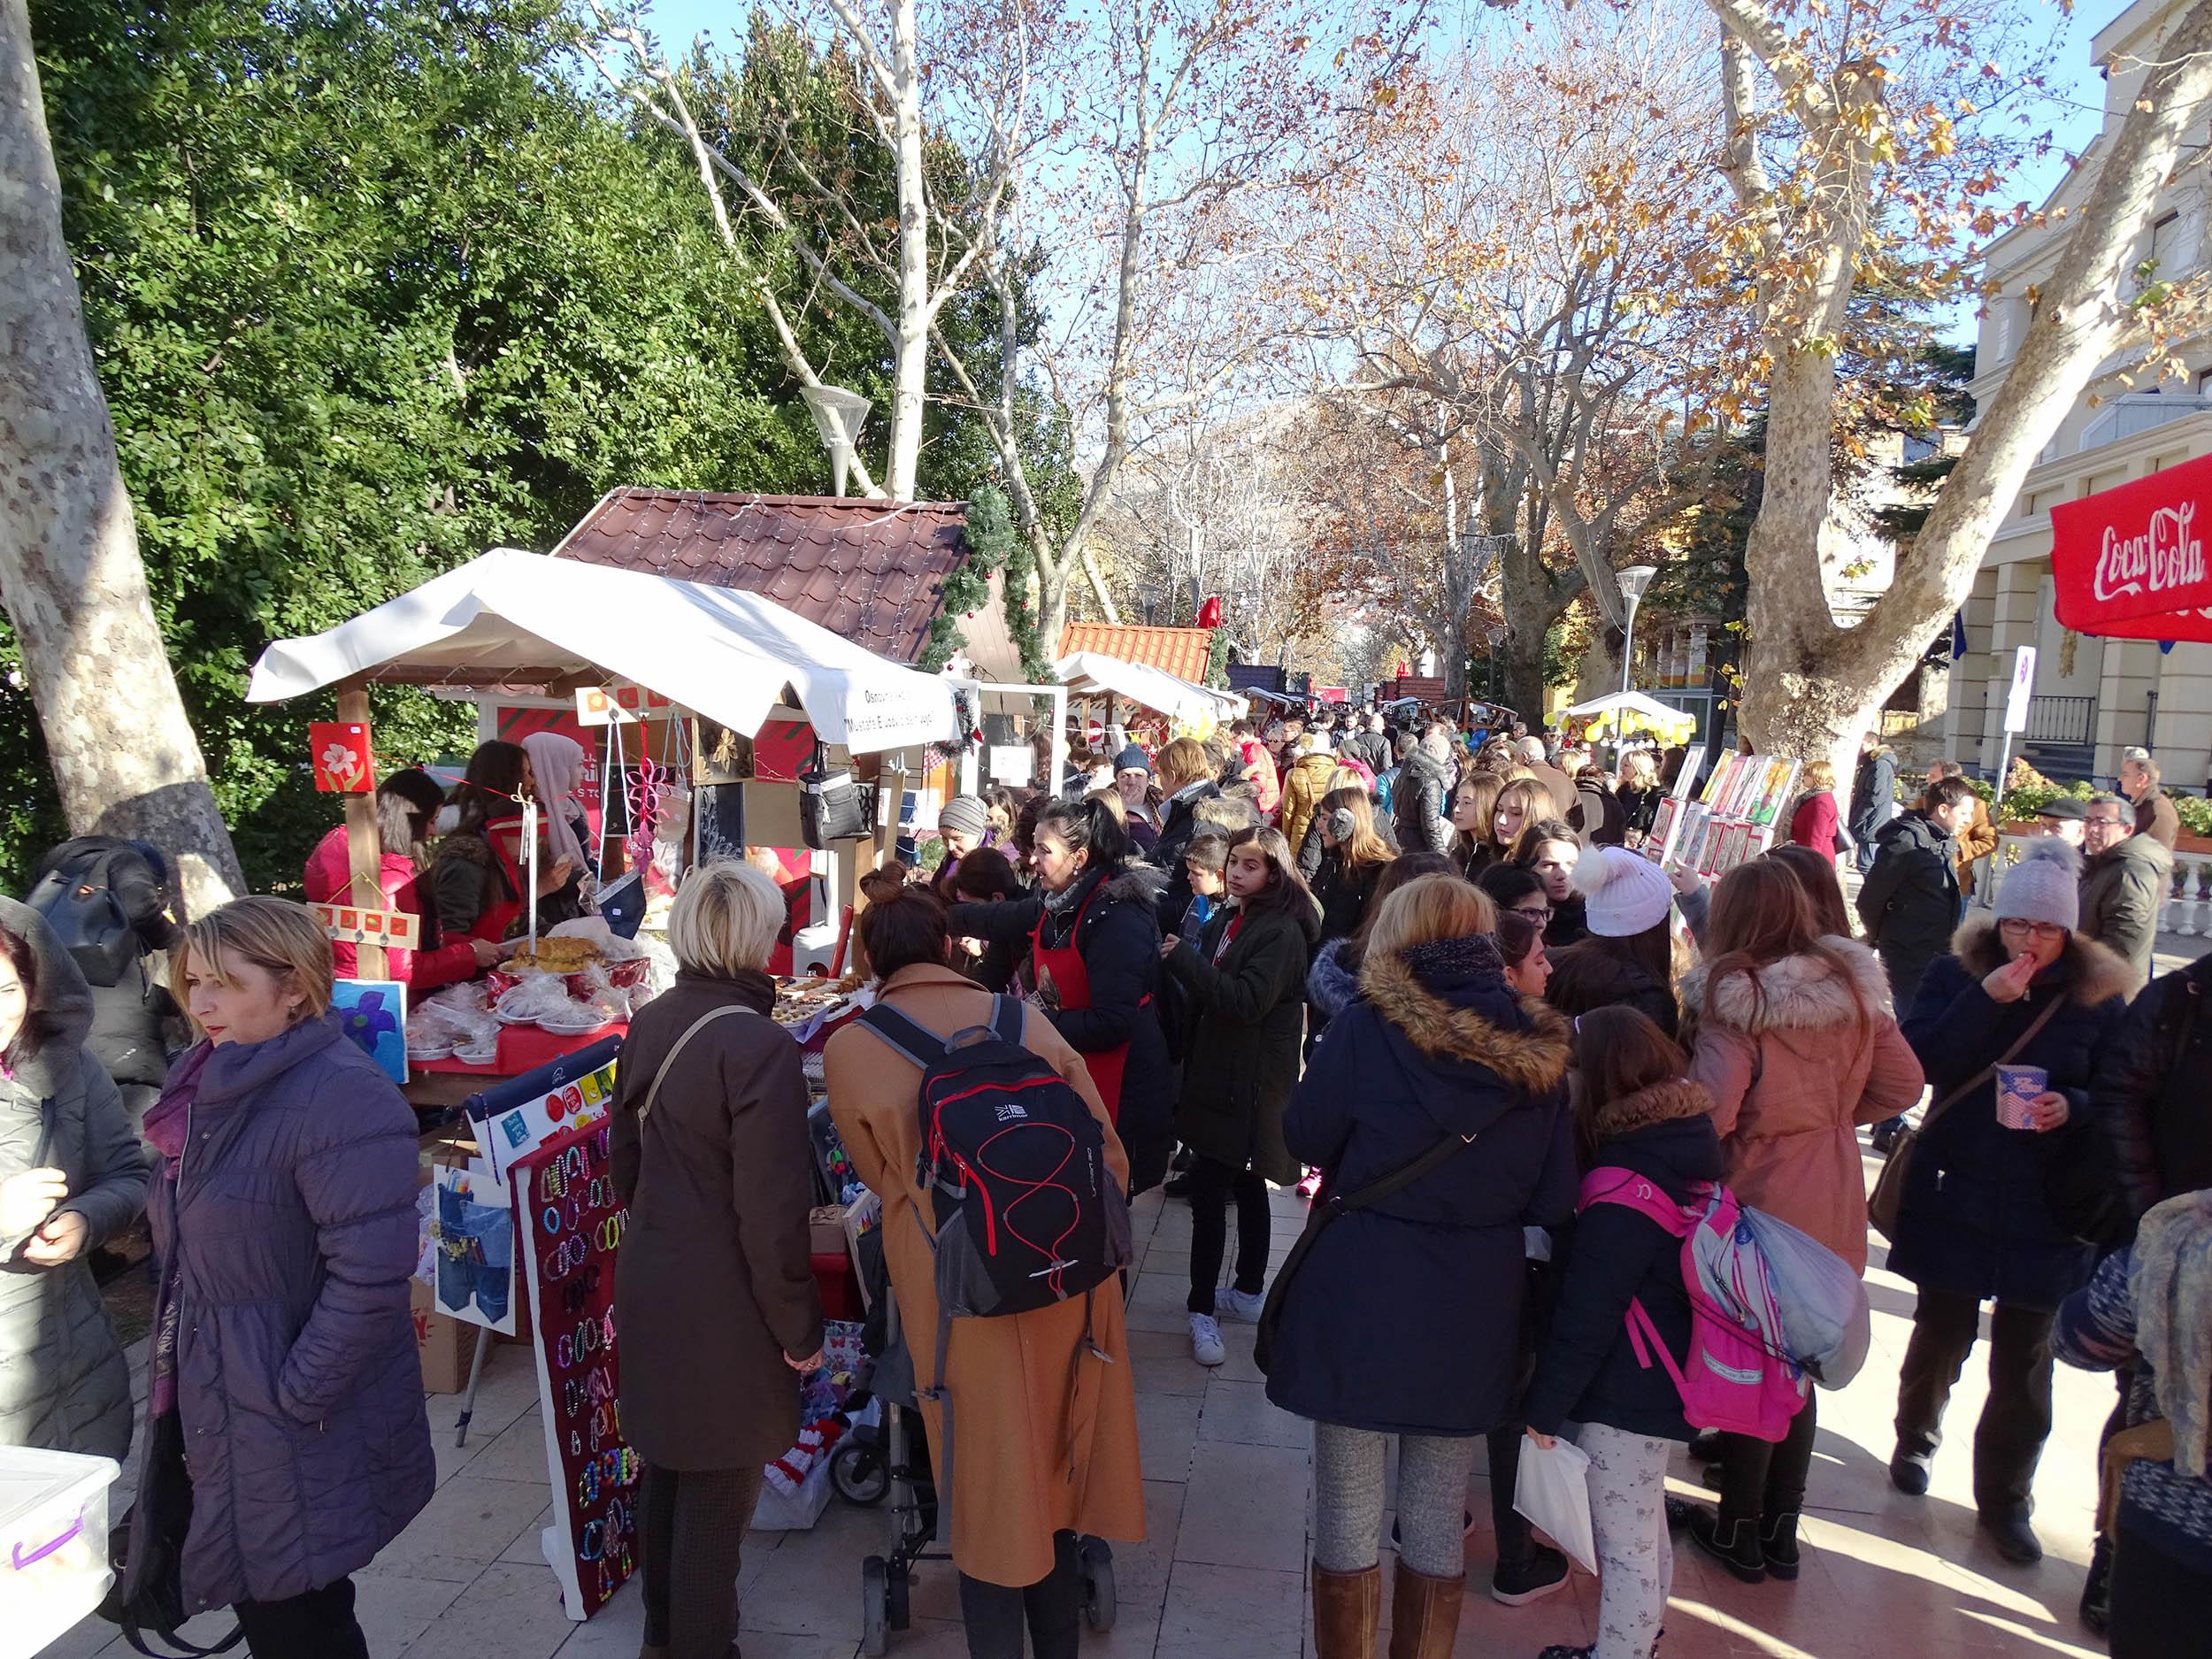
column 53, row 1544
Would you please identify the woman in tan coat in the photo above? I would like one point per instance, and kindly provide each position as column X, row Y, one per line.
column 1791, row 1035
column 1047, row 1447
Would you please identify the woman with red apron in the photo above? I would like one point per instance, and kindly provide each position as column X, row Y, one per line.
column 1094, row 948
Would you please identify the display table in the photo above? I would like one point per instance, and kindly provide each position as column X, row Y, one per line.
column 442, row 1085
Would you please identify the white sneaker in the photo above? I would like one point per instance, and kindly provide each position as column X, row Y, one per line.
column 1205, row 1341
column 1235, row 1304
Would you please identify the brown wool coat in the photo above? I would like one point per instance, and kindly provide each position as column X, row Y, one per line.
column 712, row 1287
column 1035, row 1455
column 1792, row 1072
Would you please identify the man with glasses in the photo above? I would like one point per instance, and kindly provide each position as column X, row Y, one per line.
column 2124, row 886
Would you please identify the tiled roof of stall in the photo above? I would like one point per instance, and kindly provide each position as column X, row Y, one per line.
column 870, row 570
column 1180, row 651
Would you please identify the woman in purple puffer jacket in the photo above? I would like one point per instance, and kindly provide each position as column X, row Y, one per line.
column 283, row 1363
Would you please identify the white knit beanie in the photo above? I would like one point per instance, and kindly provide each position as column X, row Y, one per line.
column 1627, row 893
column 2043, row 887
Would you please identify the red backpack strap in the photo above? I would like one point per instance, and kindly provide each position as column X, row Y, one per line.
column 1609, row 1184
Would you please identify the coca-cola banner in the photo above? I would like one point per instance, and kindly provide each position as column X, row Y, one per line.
column 2135, row 553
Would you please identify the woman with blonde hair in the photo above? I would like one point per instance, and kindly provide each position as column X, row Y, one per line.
column 1353, row 854
column 1638, row 794
column 709, row 1149
column 1474, row 806
column 1522, row 799
column 283, row 1352
column 1816, row 823
column 1185, row 780
column 1405, row 1316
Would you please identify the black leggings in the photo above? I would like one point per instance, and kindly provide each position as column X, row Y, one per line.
column 1761, row 1480
column 1052, row 1608
column 1211, row 1183
column 692, row 1528
column 314, row 1624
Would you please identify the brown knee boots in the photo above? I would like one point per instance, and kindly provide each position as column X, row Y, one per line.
column 1424, row 1615
column 1346, row 1606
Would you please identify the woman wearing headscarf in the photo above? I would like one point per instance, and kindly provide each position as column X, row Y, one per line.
column 556, row 769
column 72, row 1178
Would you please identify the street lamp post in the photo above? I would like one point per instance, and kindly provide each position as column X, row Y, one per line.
column 1633, row 582
column 838, row 415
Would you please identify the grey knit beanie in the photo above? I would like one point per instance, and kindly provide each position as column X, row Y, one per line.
column 2043, row 886
column 964, row 815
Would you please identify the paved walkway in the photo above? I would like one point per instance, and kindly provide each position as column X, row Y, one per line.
column 1223, row 1575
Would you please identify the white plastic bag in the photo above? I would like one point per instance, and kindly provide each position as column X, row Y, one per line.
column 1553, row 1491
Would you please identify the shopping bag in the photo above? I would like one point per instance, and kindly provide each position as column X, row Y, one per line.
column 1552, row 1490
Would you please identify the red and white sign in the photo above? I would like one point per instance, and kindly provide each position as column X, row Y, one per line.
column 395, row 930
column 2135, row 552
column 340, row 749
column 597, row 705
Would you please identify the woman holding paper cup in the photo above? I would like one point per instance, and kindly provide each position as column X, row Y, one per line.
column 2011, row 1027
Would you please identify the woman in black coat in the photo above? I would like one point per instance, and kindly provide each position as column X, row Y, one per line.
column 1245, row 977
column 1405, row 1317
column 1093, row 915
column 1976, row 1221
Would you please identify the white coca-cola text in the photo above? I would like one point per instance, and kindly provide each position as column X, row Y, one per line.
column 2167, row 553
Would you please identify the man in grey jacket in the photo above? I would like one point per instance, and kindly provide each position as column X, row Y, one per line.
column 2124, row 886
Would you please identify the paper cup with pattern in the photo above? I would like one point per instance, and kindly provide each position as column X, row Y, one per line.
column 2017, row 1085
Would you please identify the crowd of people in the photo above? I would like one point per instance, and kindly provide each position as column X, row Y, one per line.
column 1427, row 975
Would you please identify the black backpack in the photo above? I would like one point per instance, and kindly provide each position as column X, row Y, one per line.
column 1026, row 1210
column 97, row 893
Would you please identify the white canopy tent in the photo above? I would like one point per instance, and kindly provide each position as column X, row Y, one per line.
column 1091, row 674
column 515, row 618
column 1639, row 709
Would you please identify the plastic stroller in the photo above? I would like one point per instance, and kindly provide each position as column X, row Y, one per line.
column 891, row 1458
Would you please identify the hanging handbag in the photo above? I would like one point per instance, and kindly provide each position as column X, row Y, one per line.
column 1887, row 1200
column 146, row 1548
column 832, row 807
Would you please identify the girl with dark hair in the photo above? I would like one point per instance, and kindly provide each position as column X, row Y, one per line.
column 1245, row 976
column 1551, row 851
column 1047, row 1449
column 1794, row 1039
column 1635, row 1111
column 1094, row 943
column 72, row 1178
column 1521, row 946
column 478, row 876
column 986, row 876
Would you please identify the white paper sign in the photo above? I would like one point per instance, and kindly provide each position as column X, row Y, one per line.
column 1012, row 763
column 2023, row 690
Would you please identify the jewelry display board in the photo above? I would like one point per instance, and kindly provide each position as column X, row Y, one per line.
column 569, row 1225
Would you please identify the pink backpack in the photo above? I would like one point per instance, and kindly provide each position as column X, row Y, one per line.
column 1738, row 1376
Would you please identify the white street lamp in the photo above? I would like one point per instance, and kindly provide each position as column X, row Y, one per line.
column 838, row 415
column 1633, row 582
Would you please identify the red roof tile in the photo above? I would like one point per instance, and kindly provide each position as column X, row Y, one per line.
column 872, row 571
column 1180, row 651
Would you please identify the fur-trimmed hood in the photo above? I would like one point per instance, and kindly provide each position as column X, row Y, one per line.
column 1533, row 1059
column 2095, row 973
column 1329, row 983
column 1674, row 1101
column 1799, row 993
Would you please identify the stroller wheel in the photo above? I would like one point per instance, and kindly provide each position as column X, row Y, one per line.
column 859, row 1473
column 1095, row 1560
column 875, row 1607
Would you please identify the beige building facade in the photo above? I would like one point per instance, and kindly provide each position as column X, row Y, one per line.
column 2093, row 697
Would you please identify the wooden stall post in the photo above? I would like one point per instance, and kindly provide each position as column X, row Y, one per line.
column 364, row 848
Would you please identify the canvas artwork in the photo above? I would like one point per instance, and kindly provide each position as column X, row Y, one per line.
column 472, row 1235
column 373, row 1013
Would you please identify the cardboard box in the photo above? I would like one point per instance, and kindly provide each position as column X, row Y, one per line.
column 444, row 1345
column 826, row 1228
